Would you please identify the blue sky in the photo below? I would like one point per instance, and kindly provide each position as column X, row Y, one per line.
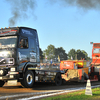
column 58, row 24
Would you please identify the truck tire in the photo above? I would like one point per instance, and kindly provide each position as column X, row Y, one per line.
column 58, row 79
column 2, row 83
column 28, row 79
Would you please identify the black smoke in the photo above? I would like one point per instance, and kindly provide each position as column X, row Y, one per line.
column 84, row 4
column 19, row 9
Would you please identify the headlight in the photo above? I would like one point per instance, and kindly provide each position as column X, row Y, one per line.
column 12, row 69
column 1, row 72
column 10, row 62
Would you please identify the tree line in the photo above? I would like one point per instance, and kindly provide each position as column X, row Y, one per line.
column 52, row 53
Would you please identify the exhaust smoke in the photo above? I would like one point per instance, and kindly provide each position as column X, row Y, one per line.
column 85, row 4
column 19, row 9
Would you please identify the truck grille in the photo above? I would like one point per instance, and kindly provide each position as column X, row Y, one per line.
column 6, row 61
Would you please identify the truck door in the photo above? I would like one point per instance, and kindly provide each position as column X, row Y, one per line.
column 23, row 51
column 33, row 50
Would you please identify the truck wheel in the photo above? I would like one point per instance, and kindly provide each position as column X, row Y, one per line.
column 2, row 83
column 58, row 79
column 28, row 79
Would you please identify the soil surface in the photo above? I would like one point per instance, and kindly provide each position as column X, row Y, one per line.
column 39, row 88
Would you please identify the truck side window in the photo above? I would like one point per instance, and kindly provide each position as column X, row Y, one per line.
column 23, row 43
column 33, row 44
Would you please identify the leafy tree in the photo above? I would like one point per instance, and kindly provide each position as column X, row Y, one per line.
column 50, row 52
column 81, row 54
column 78, row 55
column 61, row 52
column 72, row 53
column 86, row 55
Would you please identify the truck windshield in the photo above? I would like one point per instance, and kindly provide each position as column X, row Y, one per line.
column 96, row 50
column 8, row 42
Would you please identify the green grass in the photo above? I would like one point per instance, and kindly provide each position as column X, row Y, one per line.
column 79, row 95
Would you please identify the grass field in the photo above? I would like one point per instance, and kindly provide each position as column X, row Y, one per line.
column 79, row 95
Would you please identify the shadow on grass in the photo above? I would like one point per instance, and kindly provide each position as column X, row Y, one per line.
column 96, row 94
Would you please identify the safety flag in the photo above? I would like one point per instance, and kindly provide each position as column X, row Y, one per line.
column 58, row 58
column 71, row 58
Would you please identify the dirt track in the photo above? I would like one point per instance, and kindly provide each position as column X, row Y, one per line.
column 39, row 87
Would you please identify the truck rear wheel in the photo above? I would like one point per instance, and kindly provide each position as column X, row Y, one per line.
column 2, row 83
column 28, row 79
column 58, row 79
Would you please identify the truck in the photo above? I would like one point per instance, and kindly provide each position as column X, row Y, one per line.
column 20, row 59
column 95, row 64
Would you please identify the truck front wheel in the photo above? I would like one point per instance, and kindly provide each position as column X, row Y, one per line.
column 2, row 83
column 28, row 79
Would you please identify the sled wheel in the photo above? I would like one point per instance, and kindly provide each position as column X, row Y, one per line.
column 58, row 79
column 2, row 83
